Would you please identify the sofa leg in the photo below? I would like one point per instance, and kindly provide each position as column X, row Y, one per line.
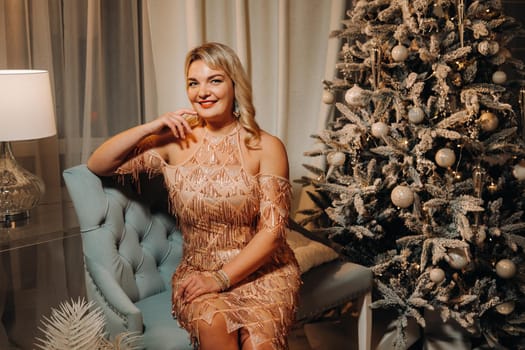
column 364, row 323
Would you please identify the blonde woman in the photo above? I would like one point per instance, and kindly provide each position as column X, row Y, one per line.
column 227, row 180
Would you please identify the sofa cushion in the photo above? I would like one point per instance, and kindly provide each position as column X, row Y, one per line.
column 331, row 285
column 161, row 330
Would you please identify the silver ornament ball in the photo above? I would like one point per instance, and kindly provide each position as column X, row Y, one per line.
column 379, row 129
column 416, row 115
column 399, row 53
column 328, row 97
column 457, row 258
column 445, row 157
column 437, row 275
column 354, row 96
column 402, row 196
column 519, row 170
column 336, row 158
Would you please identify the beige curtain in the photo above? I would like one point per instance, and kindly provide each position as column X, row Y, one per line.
column 283, row 44
column 97, row 56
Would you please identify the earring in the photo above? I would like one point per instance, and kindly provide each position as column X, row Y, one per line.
column 236, row 112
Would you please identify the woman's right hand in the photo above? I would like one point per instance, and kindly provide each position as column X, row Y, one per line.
column 115, row 151
column 173, row 122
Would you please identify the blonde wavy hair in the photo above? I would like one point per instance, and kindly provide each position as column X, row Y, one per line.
column 222, row 57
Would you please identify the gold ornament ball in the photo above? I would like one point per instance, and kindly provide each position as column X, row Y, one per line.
column 336, row 158
column 437, row 275
column 456, row 258
column 328, row 97
column 379, row 129
column 456, row 79
column 489, row 121
column 505, row 268
column 505, row 308
column 499, row 77
column 445, row 157
column 402, row 196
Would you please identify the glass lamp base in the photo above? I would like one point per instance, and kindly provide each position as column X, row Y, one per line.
column 20, row 190
column 15, row 220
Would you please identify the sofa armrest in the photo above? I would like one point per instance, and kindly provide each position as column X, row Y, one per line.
column 115, row 297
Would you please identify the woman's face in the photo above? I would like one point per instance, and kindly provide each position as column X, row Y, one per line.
column 210, row 91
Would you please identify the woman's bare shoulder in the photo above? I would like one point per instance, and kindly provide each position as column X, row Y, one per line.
column 273, row 157
column 270, row 142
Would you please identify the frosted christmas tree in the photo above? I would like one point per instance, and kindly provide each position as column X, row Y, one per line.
column 424, row 163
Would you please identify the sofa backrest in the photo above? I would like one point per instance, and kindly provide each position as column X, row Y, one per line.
column 125, row 233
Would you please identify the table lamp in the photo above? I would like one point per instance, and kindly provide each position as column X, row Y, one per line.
column 26, row 113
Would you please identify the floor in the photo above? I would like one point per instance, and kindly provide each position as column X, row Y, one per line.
column 342, row 335
column 333, row 335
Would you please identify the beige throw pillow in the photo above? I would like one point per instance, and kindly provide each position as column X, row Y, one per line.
column 309, row 253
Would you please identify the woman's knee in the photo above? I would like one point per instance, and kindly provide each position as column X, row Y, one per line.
column 215, row 333
column 247, row 344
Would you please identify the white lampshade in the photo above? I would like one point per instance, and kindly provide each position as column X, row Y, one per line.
column 26, row 105
column 26, row 113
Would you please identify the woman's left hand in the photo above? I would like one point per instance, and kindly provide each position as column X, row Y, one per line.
column 196, row 285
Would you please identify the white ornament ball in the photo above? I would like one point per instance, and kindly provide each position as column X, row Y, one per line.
column 499, row 77
column 505, row 268
column 354, row 96
column 328, row 97
column 456, row 258
column 399, row 53
column 489, row 121
column 483, row 47
column 505, row 308
column 437, row 275
column 519, row 170
column 445, row 157
column 488, row 47
column 416, row 115
column 379, row 129
column 402, row 196
column 336, row 158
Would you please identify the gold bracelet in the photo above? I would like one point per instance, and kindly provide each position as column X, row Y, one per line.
column 222, row 279
column 225, row 277
column 218, row 280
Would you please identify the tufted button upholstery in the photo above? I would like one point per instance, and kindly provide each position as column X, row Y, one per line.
column 131, row 248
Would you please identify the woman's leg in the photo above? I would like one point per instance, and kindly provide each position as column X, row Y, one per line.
column 246, row 342
column 215, row 335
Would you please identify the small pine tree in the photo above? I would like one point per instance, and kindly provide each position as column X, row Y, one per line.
column 424, row 167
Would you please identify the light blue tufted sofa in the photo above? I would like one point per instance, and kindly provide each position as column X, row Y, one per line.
column 132, row 246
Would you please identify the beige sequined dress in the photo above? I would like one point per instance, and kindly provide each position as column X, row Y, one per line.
column 220, row 207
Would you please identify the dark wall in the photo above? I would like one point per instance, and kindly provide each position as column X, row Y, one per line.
column 516, row 9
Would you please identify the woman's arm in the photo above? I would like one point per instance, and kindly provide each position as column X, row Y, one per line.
column 117, row 150
column 274, row 161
